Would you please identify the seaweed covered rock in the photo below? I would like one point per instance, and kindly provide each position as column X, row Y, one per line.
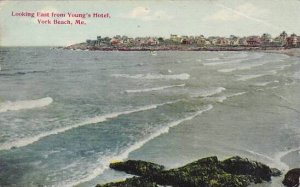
column 137, row 167
column 242, row 166
column 131, row 182
column 291, row 178
column 206, row 172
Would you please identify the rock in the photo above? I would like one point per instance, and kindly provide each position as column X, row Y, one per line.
column 137, row 167
column 206, row 172
column 276, row 172
column 131, row 182
column 291, row 178
column 243, row 166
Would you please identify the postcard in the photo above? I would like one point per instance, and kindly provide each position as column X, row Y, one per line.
column 149, row 93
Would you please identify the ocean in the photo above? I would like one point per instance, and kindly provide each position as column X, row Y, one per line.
column 65, row 115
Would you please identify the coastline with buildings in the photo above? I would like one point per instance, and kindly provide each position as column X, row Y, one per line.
column 191, row 43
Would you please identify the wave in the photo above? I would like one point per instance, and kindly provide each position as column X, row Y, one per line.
column 182, row 76
column 208, row 92
column 125, row 153
column 263, row 83
column 297, row 75
column 98, row 119
column 21, row 73
column 213, row 59
column 222, row 98
column 26, row 104
column 226, row 70
column 247, row 77
column 272, row 161
column 154, row 89
column 285, row 66
column 223, row 62
column 280, row 155
column 243, row 67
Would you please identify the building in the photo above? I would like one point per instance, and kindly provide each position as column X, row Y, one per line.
column 175, row 38
column 254, row 41
column 292, row 41
column 223, row 41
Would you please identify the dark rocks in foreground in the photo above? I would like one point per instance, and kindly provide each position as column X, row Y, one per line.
column 291, row 178
column 206, row 172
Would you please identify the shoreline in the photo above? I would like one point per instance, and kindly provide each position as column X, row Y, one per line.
column 278, row 50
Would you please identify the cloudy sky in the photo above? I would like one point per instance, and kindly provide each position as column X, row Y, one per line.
column 147, row 18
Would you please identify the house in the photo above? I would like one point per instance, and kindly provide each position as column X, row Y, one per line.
column 266, row 39
column 152, row 41
column 114, row 41
column 254, row 41
column 223, row 41
column 292, row 40
column 175, row 38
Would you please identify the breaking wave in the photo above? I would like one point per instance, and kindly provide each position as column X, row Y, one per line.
column 98, row 119
column 104, row 162
column 182, row 76
column 26, row 104
column 208, row 92
column 154, row 89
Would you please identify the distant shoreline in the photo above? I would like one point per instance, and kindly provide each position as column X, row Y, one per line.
column 278, row 50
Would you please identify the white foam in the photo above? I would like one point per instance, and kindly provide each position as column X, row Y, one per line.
column 297, row 75
column 285, row 66
column 208, row 92
column 236, row 94
column 227, row 70
column 154, row 89
column 26, row 104
column 123, row 155
column 248, row 77
column 182, row 76
column 263, row 83
column 275, row 162
column 280, row 155
column 243, row 66
column 213, row 59
column 222, row 62
column 221, row 99
column 98, row 119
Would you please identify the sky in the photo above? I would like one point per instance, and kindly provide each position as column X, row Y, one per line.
column 146, row 18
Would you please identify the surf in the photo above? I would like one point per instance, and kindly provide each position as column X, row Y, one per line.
column 182, row 76
column 208, row 92
column 125, row 153
column 25, row 104
column 97, row 119
column 154, row 89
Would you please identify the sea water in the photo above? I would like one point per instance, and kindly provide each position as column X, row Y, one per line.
column 65, row 115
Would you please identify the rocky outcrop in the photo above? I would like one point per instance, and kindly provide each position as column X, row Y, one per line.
column 291, row 178
column 137, row 167
column 131, row 182
column 243, row 166
column 206, row 172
